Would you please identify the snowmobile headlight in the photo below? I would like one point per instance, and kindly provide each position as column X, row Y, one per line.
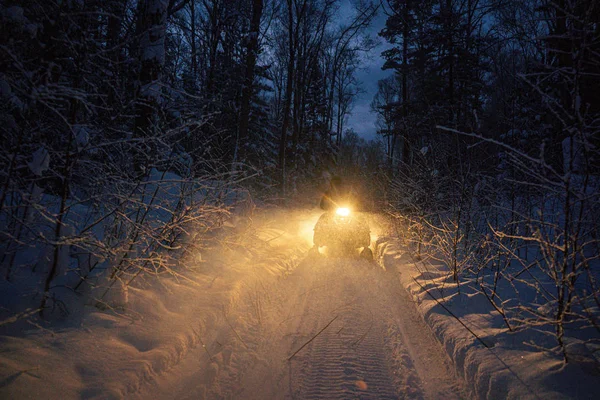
column 343, row 211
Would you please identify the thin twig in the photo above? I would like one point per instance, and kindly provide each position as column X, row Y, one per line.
column 27, row 313
column 312, row 338
column 234, row 331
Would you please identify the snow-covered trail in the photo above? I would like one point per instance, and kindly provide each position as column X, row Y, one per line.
column 372, row 343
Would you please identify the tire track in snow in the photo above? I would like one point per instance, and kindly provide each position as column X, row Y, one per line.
column 351, row 359
column 348, row 363
column 375, row 349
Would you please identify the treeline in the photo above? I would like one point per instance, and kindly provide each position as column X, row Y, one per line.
column 491, row 123
column 258, row 86
column 130, row 127
column 523, row 72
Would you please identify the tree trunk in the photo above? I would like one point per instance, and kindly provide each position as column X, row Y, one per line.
column 214, row 39
column 293, row 39
column 450, row 54
column 113, row 32
column 114, row 45
column 194, row 55
column 331, row 97
column 299, row 96
column 151, row 26
column 405, row 35
column 247, row 90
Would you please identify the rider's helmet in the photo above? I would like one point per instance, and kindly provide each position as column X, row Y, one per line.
column 339, row 191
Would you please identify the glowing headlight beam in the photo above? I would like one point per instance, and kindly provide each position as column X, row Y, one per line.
column 343, row 212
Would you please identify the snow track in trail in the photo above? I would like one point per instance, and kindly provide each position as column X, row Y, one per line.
column 333, row 329
column 348, row 362
column 349, row 358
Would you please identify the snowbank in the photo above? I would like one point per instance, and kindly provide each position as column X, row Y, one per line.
column 104, row 242
column 111, row 353
column 495, row 363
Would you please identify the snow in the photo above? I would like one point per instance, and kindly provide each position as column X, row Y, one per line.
column 157, row 6
column 5, row 90
column 40, row 161
column 573, row 154
column 328, row 329
column 15, row 14
column 154, row 50
column 152, row 91
column 7, row 94
column 251, row 298
column 512, row 366
column 112, row 353
column 82, row 135
column 93, row 241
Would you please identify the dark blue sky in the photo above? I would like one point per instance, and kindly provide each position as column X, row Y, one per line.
column 362, row 119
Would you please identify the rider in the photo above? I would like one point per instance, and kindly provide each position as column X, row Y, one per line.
column 337, row 193
column 330, row 200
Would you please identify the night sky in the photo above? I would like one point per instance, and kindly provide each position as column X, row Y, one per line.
column 362, row 120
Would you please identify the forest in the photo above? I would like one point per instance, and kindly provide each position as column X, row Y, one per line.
column 135, row 131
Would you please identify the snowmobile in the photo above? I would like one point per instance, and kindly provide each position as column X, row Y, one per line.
column 342, row 232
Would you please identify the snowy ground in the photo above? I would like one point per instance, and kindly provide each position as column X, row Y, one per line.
column 497, row 364
column 372, row 344
column 259, row 319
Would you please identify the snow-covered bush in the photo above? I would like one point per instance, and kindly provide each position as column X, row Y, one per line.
column 107, row 225
column 93, row 192
column 529, row 246
column 510, row 201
